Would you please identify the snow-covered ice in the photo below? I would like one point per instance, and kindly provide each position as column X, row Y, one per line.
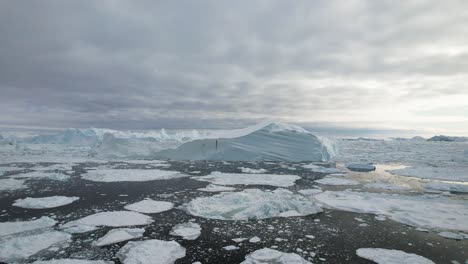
column 8, row 228
column 391, row 256
column 309, row 192
column 129, row 175
column 448, row 187
column 56, row 176
column 336, row 181
column 151, row 252
column 188, row 231
column 452, row 235
column 72, row 261
column 268, row 255
column 217, row 188
column 149, row 206
column 427, row 211
column 220, row 178
column 251, row 204
column 113, row 218
column 384, row 186
column 249, row 170
column 254, row 239
column 448, row 173
column 11, row 184
column 17, row 248
column 320, row 169
column 44, row 202
column 361, row 167
column 119, row 235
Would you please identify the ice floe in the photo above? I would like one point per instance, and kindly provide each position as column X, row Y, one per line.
column 113, row 218
column 217, row 188
column 384, row 186
column 78, row 229
column 72, row 261
column 320, row 169
column 230, row 248
column 309, row 192
column 427, row 211
column 452, row 235
column 336, row 181
column 220, row 178
column 56, row 176
column 119, row 235
column 149, row 206
column 249, row 170
column 151, row 252
column 17, row 248
column 448, row 187
column 44, row 202
column 254, row 239
column 267, row 255
column 8, row 228
column 251, row 204
column 188, row 231
column 130, row 175
column 11, row 184
column 449, row 173
column 360, row 167
column 391, row 256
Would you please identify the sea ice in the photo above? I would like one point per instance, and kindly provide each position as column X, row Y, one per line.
column 267, row 255
column 113, row 218
column 72, row 261
column 230, row 248
column 119, row 235
column 136, row 175
column 11, row 184
column 255, row 239
column 451, row 235
column 220, row 178
column 188, row 231
column 251, row 204
column 149, row 206
column 384, row 186
column 60, row 167
column 56, row 176
column 249, row 170
column 361, row 167
column 8, row 228
column 217, row 188
column 421, row 211
column 448, row 173
column 151, row 252
column 320, row 169
column 16, row 248
column 391, row 256
column 448, row 187
column 309, row 192
column 336, row 181
column 78, row 229
column 44, row 202
column 4, row 170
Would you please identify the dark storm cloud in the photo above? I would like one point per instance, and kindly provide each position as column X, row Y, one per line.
column 149, row 64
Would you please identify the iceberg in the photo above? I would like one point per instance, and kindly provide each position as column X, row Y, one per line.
column 188, row 231
column 152, row 251
column 219, row 178
column 119, row 235
column 71, row 136
column 252, row 204
column 270, row 142
column 44, row 202
column 268, row 255
column 391, row 256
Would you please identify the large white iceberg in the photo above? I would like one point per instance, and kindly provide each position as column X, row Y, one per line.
column 151, row 252
column 252, row 204
column 267, row 255
column 220, row 178
column 274, row 142
column 391, row 256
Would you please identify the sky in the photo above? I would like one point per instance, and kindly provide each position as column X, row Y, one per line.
column 350, row 65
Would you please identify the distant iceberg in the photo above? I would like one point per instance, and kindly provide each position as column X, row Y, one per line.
column 71, row 136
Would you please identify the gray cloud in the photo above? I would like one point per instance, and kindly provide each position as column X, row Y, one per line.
column 150, row 64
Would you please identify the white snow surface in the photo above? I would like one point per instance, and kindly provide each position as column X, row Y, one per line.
column 11, row 184
column 188, row 231
column 151, row 252
column 129, row 175
column 384, row 186
column 8, row 228
column 448, row 187
column 217, row 188
column 320, row 169
column 113, row 218
column 72, row 261
column 267, row 255
column 17, row 248
column 427, row 211
column 119, row 235
column 251, row 204
column 249, row 170
column 44, row 202
column 336, row 181
column 56, row 176
column 149, row 206
column 220, row 178
column 391, row 256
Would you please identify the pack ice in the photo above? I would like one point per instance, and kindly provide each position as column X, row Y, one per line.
column 252, row 204
column 273, row 141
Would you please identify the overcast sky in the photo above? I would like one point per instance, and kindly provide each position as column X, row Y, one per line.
column 385, row 65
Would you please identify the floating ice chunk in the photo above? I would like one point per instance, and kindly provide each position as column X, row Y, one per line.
column 119, row 235
column 8, row 228
column 384, row 186
column 458, row 173
column 149, row 206
column 420, row 211
column 249, row 170
column 391, row 256
column 238, row 240
column 78, row 229
column 115, row 219
column 11, row 184
column 309, row 192
column 448, row 187
column 251, row 204
column 151, row 252
column 230, row 248
column 188, row 231
column 56, row 176
column 72, row 261
column 361, row 167
column 336, row 181
column 122, row 175
column 220, row 178
column 255, row 239
column 44, row 202
column 16, row 248
column 451, row 235
column 321, row 169
column 267, row 255
column 217, row 188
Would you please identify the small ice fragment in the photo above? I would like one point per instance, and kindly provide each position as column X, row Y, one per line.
column 230, row 247
column 254, row 239
column 268, row 255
